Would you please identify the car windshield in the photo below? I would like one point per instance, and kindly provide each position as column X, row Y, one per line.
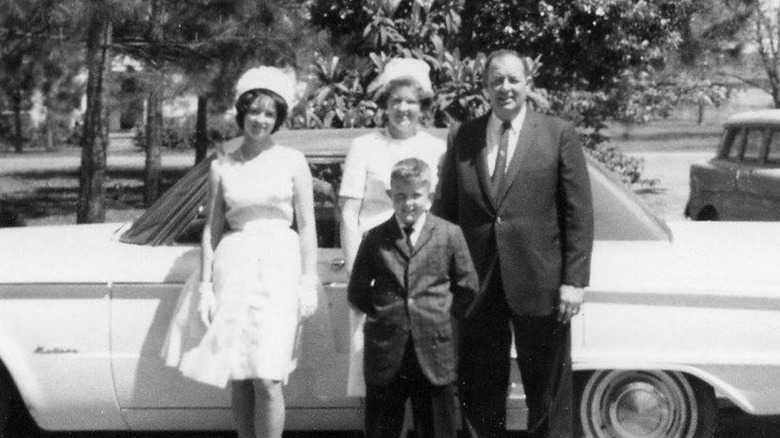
column 179, row 215
column 174, row 211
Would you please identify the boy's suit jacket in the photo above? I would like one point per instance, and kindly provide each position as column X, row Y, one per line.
column 414, row 295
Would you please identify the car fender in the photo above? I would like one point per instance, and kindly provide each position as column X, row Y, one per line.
column 18, row 367
column 717, row 381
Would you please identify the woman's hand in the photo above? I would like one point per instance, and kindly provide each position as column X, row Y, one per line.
column 307, row 295
column 207, row 302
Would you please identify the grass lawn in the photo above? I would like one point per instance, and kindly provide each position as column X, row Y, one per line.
column 666, row 136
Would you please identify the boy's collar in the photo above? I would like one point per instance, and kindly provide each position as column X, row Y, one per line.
column 417, row 225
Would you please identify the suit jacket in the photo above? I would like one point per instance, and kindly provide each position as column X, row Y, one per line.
column 413, row 295
column 538, row 230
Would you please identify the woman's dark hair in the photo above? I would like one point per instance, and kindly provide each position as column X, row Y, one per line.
column 245, row 101
column 425, row 101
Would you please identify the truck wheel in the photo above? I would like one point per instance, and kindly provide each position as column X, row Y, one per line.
column 707, row 213
column 647, row 404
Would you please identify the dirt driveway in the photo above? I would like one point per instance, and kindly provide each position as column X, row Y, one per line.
column 668, row 198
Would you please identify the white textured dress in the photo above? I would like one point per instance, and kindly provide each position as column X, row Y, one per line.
column 256, row 272
column 367, row 177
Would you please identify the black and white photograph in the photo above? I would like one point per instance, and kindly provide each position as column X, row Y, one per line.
column 390, row 218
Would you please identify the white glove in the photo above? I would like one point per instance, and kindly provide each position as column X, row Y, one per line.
column 307, row 295
column 207, row 302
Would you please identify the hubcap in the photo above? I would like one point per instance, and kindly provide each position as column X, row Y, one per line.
column 640, row 410
column 638, row 404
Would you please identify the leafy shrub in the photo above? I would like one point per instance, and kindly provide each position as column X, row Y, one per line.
column 588, row 111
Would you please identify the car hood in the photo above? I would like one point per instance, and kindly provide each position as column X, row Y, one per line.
column 54, row 254
column 703, row 258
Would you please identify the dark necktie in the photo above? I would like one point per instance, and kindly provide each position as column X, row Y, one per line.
column 408, row 231
column 500, row 168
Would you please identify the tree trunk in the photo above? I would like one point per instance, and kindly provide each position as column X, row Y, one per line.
column 92, row 174
column 154, row 117
column 17, row 108
column 154, row 131
column 774, row 82
column 700, row 115
column 48, row 128
column 201, row 129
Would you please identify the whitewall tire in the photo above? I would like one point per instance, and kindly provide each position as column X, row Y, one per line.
column 643, row 404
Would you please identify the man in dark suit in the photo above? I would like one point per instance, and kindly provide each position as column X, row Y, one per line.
column 517, row 184
column 412, row 274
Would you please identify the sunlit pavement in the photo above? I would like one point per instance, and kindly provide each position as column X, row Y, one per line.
column 731, row 423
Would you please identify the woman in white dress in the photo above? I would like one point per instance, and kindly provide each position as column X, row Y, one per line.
column 258, row 278
column 404, row 93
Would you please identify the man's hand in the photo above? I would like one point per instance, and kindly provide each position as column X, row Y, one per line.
column 207, row 302
column 570, row 301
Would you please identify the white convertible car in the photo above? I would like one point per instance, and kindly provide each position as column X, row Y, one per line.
column 679, row 318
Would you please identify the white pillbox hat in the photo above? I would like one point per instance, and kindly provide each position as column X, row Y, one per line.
column 404, row 68
column 267, row 78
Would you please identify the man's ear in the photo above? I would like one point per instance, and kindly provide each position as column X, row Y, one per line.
column 389, row 193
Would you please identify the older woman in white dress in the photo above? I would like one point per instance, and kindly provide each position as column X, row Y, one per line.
column 404, row 92
column 258, row 278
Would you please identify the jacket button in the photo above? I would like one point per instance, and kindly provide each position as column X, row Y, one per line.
column 498, row 219
column 409, row 301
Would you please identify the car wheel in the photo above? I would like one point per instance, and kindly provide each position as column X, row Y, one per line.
column 14, row 419
column 647, row 404
column 6, row 403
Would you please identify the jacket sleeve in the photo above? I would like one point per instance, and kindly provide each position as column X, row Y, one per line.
column 359, row 289
column 464, row 282
column 576, row 210
column 445, row 204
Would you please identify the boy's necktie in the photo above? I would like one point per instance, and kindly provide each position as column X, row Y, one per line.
column 408, row 230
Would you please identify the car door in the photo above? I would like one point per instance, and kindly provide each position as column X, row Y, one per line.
column 749, row 194
column 153, row 396
column 762, row 183
column 320, row 379
column 715, row 184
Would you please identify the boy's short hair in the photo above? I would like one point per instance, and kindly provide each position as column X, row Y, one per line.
column 411, row 170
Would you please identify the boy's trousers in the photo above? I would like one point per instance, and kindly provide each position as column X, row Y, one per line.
column 433, row 406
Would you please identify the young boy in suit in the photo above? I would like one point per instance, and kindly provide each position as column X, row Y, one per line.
column 412, row 275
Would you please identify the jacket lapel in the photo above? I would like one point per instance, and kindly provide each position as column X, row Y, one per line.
column 479, row 140
column 524, row 142
column 425, row 234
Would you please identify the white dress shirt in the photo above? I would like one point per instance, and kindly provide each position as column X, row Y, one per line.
column 415, row 228
column 494, row 136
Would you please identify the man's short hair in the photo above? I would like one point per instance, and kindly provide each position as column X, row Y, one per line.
column 411, row 170
column 500, row 53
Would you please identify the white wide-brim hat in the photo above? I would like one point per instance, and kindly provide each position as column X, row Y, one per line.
column 267, row 78
column 397, row 68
